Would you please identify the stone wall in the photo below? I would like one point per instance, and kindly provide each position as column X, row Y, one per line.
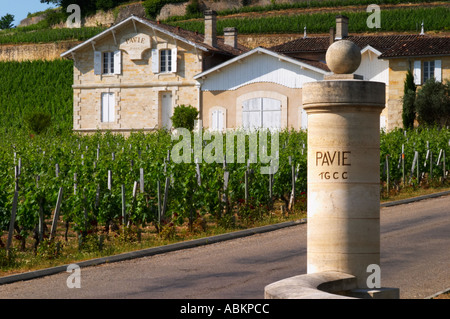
column 51, row 51
column 33, row 51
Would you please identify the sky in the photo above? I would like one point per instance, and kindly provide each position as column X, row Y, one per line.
column 20, row 8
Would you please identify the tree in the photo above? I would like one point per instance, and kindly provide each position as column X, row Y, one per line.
column 409, row 98
column 184, row 116
column 433, row 103
column 87, row 6
column 6, row 22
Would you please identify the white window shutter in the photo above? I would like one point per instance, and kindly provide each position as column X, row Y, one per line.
column 118, row 62
column 155, row 61
column 220, row 120
column 97, row 63
column 417, row 73
column 108, row 107
column 112, row 107
column 214, row 122
column 174, row 60
column 104, row 107
column 438, row 70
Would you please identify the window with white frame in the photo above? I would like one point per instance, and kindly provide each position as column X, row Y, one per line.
column 165, row 61
column 431, row 69
column 107, row 62
column 261, row 113
column 108, row 107
column 428, row 70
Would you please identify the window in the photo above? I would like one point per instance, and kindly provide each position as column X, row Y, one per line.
column 428, row 70
column 431, row 69
column 108, row 107
column 261, row 113
column 108, row 62
column 166, row 61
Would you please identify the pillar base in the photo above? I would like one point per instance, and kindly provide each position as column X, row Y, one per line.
column 325, row 285
column 377, row 293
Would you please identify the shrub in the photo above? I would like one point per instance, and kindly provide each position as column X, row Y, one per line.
column 409, row 98
column 184, row 116
column 193, row 7
column 433, row 103
column 38, row 122
column 153, row 7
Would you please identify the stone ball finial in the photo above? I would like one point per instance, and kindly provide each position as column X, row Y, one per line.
column 343, row 57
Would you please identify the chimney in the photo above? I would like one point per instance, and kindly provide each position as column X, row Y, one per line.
column 230, row 37
column 332, row 35
column 211, row 28
column 341, row 27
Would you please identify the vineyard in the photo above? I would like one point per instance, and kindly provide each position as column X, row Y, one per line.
column 107, row 184
column 396, row 20
column 31, row 86
column 22, row 35
column 435, row 17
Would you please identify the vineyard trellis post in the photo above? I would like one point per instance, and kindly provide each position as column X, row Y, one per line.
column 158, row 186
column 292, row 197
column 124, row 212
column 12, row 222
column 387, row 175
column 444, row 169
column 56, row 214
column 141, row 180
column 403, row 164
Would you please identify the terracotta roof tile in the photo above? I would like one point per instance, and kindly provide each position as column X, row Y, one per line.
column 199, row 39
column 320, row 44
column 421, row 46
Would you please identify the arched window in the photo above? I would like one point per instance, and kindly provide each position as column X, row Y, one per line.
column 261, row 113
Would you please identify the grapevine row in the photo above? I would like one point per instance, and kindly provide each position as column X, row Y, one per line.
column 108, row 180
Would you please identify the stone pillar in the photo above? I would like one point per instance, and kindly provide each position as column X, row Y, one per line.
column 343, row 167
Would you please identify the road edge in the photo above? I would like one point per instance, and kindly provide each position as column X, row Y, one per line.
column 185, row 244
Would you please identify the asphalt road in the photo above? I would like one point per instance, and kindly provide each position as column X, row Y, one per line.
column 415, row 257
